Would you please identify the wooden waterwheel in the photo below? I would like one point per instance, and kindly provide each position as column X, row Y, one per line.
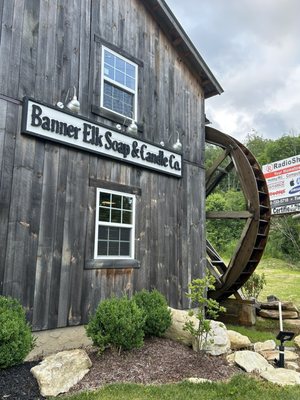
column 249, row 249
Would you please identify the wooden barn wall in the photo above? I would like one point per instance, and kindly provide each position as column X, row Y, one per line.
column 48, row 191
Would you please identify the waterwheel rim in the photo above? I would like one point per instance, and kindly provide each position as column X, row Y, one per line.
column 230, row 277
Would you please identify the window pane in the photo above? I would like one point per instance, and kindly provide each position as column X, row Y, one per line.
column 102, row 248
column 126, row 217
column 127, row 203
column 114, row 233
column 105, row 199
column 116, row 201
column 113, row 249
column 109, row 71
column 104, row 214
column 124, row 249
column 120, row 64
column 125, row 234
column 130, row 70
column 109, row 58
column 107, row 102
column 130, row 82
column 108, row 89
column 116, row 216
column 120, row 77
column 103, row 232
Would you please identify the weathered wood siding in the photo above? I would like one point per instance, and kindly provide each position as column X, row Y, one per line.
column 48, row 191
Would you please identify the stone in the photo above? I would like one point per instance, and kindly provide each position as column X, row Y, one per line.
column 241, row 312
column 285, row 305
column 292, row 365
column 274, row 314
column 272, row 355
column 198, row 380
column 264, row 346
column 237, row 340
column 217, row 342
column 251, row 361
column 292, row 323
column 59, row 372
column 230, row 359
column 175, row 331
column 297, row 341
column 281, row 376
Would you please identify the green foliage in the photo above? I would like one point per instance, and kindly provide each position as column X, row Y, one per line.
column 118, row 323
column 155, row 307
column 224, row 234
column 204, row 307
column 254, row 285
column 16, row 339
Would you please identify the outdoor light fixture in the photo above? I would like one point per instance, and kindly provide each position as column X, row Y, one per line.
column 177, row 145
column 132, row 129
column 73, row 105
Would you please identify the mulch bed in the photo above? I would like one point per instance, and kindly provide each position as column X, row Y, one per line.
column 158, row 361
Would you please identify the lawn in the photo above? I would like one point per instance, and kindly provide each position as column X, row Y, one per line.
column 283, row 280
column 241, row 387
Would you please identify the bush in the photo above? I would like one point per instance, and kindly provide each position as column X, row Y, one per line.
column 16, row 339
column 155, row 307
column 254, row 285
column 118, row 323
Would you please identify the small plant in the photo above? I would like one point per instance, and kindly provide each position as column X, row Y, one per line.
column 118, row 323
column 204, row 307
column 254, row 285
column 16, row 339
column 155, row 307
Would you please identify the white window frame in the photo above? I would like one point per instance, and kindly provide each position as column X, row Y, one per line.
column 134, row 91
column 113, row 224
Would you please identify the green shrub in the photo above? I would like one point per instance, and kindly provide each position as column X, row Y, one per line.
column 155, row 307
column 254, row 285
column 118, row 323
column 16, row 339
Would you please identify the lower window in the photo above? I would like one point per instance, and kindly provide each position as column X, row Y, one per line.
column 115, row 220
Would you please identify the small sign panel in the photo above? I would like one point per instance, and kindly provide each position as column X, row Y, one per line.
column 283, row 180
column 56, row 125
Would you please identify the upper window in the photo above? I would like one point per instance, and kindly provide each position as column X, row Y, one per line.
column 119, row 84
column 115, row 216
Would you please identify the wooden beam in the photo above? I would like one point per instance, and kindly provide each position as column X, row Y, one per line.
column 228, row 215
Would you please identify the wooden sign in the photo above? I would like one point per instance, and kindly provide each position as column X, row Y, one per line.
column 54, row 124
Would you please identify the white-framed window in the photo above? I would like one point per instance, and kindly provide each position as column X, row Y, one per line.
column 115, row 222
column 119, row 83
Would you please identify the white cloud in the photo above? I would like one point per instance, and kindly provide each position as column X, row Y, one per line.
column 252, row 48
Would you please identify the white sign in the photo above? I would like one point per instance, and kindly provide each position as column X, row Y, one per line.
column 283, row 180
column 53, row 124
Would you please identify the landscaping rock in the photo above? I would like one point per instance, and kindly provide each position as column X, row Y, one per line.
column 274, row 314
column 297, row 341
column 281, row 376
column 230, row 359
column 59, row 372
column 292, row 365
column 294, row 323
column 237, row 340
column 273, row 355
column 264, row 346
column 273, row 305
column 251, row 361
column 217, row 342
column 198, row 380
column 175, row 331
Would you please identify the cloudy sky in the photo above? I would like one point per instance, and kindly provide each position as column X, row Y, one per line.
column 253, row 49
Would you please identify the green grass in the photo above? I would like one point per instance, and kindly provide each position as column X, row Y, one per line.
column 283, row 280
column 241, row 387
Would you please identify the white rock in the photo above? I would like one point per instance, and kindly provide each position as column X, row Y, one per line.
column 291, row 365
column 230, row 359
column 264, row 346
column 237, row 340
column 251, row 361
column 271, row 355
column 175, row 331
column 297, row 341
column 198, row 380
column 59, row 372
column 217, row 341
column 281, row 376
